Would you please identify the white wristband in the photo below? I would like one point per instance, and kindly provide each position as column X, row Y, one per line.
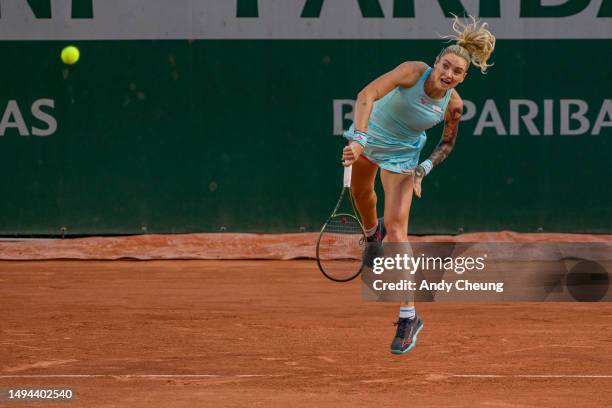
column 427, row 165
column 360, row 137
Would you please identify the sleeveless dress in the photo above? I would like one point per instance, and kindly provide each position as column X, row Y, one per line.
column 397, row 125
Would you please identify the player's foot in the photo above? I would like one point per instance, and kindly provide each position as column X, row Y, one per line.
column 373, row 244
column 406, row 335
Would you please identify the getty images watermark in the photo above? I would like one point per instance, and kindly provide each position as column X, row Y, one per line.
column 410, row 265
column 487, row 272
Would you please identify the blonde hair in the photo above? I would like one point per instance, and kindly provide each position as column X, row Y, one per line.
column 473, row 42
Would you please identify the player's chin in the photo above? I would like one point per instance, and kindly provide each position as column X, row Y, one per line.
column 448, row 85
column 453, row 85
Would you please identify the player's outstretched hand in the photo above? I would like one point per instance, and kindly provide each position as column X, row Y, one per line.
column 351, row 153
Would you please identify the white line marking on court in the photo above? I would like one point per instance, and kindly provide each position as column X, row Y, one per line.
column 112, row 376
column 476, row 375
column 204, row 376
column 139, row 376
column 562, row 376
column 544, row 346
column 532, row 375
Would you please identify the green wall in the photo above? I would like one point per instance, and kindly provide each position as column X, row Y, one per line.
column 190, row 136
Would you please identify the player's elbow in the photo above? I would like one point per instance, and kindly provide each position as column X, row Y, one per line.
column 449, row 146
column 446, row 146
column 365, row 96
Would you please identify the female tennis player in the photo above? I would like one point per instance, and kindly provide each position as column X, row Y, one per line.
column 391, row 116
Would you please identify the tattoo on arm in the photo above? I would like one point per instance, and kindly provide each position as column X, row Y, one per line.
column 449, row 135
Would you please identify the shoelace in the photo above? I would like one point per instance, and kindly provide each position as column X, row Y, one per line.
column 372, row 238
column 401, row 324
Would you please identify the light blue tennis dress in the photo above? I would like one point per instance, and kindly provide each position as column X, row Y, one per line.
column 396, row 130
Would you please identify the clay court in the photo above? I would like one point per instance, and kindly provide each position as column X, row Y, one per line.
column 184, row 333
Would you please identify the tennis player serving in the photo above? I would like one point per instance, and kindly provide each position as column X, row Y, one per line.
column 391, row 116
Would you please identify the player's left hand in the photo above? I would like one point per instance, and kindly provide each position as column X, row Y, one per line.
column 418, row 178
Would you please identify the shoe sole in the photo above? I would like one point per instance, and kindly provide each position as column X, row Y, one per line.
column 411, row 346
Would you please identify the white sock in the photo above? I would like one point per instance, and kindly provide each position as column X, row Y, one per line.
column 407, row 312
column 371, row 231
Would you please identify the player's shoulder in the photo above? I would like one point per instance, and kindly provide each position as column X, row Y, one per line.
column 455, row 99
column 455, row 105
column 417, row 66
column 411, row 71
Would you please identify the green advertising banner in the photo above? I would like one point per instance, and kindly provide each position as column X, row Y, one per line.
column 191, row 132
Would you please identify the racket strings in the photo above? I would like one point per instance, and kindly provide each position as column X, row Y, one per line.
column 344, row 225
column 341, row 243
column 340, row 247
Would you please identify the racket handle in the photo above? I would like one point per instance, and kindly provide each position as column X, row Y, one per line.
column 348, row 171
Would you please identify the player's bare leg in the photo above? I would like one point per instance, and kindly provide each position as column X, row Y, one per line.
column 362, row 184
column 364, row 177
column 398, row 200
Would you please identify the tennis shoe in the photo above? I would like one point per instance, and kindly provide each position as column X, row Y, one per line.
column 406, row 334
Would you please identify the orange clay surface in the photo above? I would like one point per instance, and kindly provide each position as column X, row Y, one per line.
column 278, row 334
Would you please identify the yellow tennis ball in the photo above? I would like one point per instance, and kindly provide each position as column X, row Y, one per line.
column 70, row 55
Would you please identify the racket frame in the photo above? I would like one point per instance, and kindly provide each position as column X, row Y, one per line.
column 346, row 189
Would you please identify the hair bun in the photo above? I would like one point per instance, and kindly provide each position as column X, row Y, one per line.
column 476, row 39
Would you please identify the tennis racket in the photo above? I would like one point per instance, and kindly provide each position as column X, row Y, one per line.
column 342, row 238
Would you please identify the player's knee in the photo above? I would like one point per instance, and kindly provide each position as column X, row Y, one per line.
column 364, row 194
